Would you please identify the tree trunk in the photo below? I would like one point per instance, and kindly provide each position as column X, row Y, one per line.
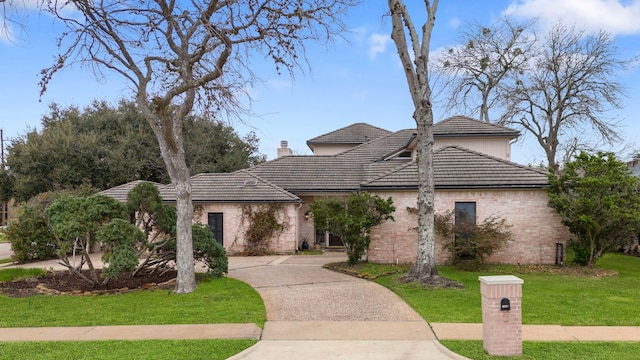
column 417, row 74
column 425, row 265
column 168, row 132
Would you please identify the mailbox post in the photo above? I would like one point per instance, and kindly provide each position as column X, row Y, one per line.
column 501, row 314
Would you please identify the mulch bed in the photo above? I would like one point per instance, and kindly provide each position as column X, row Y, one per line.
column 66, row 283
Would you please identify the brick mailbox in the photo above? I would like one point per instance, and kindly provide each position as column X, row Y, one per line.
column 501, row 314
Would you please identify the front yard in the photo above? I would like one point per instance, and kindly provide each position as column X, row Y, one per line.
column 606, row 296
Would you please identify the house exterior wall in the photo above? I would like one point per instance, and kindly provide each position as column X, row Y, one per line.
column 307, row 228
column 498, row 147
column 235, row 226
column 535, row 226
column 331, row 149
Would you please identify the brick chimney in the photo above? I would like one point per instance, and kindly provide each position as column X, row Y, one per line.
column 284, row 150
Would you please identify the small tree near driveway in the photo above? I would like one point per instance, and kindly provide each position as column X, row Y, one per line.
column 351, row 219
column 599, row 201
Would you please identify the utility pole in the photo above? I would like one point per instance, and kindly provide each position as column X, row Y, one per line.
column 2, row 147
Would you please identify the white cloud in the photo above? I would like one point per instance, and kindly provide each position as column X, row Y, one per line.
column 615, row 16
column 378, row 44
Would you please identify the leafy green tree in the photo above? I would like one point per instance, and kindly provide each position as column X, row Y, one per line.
column 105, row 146
column 29, row 235
column 599, row 201
column 351, row 219
column 118, row 238
column 74, row 221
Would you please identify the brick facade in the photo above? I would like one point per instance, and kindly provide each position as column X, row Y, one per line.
column 536, row 227
column 235, row 226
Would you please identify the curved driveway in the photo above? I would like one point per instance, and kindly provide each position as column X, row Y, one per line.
column 315, row 313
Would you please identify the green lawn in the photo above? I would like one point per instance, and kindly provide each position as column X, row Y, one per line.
column 547, row 298
column 551, row 350
column 215, row 301
column 151, row 349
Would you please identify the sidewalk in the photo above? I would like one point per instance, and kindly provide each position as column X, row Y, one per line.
column 450, row 331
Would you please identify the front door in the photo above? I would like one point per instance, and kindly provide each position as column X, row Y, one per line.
column 216, row 226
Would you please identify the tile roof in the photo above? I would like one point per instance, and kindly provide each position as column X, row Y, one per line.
column 120, row 192
column 341, row 172
column 466, row 126
column 458, row 168
column 239, row 186
column 358, row 133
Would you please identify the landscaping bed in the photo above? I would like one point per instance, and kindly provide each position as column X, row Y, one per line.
column 66, row 283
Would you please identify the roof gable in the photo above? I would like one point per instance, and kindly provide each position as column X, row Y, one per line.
column 457, row 126
column 358, row 133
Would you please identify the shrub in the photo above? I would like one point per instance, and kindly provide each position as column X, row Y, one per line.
column 263, row 223
column 209, row 251
column 351, row 219
column 29, row 236
column 470, row 245
column 119, row 238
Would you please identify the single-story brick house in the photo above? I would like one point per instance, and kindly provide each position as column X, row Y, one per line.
column 473, row 173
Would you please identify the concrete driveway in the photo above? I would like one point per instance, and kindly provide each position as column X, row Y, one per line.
column 314, row 313
column 5, row 251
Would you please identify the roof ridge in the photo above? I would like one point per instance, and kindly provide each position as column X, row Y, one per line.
column 387, row 173
column 272, row 185
column 468, row 118
column 315, row 140
column 357, row 147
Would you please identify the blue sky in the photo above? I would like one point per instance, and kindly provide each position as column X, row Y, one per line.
column 354, row 80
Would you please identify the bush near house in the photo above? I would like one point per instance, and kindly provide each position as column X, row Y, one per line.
column 469, row 244
column 599, row 201
column 351, row 219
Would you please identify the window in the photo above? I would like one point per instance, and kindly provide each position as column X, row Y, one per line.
column 465, row 213
column 216, row 226
column 465, row 221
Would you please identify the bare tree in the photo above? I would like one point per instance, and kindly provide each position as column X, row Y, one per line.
column 416, row 70
column 569, row 88
column 179, row 54
column 484, row 62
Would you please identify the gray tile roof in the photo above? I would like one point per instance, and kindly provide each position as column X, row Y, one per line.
column 459, row 168
column 239, row 186
column 120, row 192
column 341, row 172
column 358, row 133
column 466, row 126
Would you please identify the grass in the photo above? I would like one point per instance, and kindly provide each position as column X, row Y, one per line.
column 5, row 261
column 151, row 349
column 548, row 298
column 19, row 273
column 215, row 301
column 551, row 350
